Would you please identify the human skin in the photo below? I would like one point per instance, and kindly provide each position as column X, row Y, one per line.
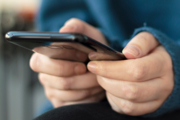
column 68, row 82
column 140, row 84
column 135, row 86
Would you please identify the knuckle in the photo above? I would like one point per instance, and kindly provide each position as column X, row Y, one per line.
column 145, row 36
column 83, row 95
column 64, row 69
column 48, row 93
column 165, row 60
column 169, row 66
column 131, row 92
column 65, row 83
column 60, row 70
column 86, row 93
column 57, row 104
column 138, row 71
column 41, row 79
column 128, row 107
column 142, row 36
column 168, row 88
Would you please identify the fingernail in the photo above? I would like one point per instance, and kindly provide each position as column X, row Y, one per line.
column 92, row 66
column 92, row 56
column 133, row 50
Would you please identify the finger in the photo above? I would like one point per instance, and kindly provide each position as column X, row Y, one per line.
column 92, row 99
column 43, row 64
column 84, row 81
column 137, row 91
column 71, row 95
column 77, row 26
column 56, row 103
column 140, row 45
column 131, row 108
column 140, row 69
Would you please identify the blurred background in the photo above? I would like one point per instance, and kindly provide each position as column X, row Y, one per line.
column 21, row 95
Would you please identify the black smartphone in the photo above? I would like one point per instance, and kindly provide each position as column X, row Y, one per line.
column 54, row 44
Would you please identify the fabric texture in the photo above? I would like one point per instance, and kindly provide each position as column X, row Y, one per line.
column 117, row 19
column 173, row 101
column 96, row 111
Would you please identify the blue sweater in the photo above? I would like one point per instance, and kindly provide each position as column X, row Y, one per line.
column 119, row 20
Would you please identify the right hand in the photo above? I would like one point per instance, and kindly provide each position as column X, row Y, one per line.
column 69, row 82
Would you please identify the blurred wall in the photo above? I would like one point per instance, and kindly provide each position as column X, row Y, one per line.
column 20, row 91
column 19, row 4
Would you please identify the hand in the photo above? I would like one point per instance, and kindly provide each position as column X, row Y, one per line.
column 68, row 82
column 140, row 84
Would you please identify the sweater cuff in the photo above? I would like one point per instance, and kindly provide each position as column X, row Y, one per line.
column 173, row 101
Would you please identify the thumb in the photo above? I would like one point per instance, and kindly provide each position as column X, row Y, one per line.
column 141, row 45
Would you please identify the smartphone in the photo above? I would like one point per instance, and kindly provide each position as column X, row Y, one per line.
column 54, row 44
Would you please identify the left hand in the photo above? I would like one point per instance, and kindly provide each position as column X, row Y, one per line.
column 140, row 84
column 66, row 81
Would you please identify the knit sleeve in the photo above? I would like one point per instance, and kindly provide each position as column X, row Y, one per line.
column 53, row 14
column 173, row 48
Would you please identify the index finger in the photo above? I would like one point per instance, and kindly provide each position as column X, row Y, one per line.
column 61, row 68
column 140, row 69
